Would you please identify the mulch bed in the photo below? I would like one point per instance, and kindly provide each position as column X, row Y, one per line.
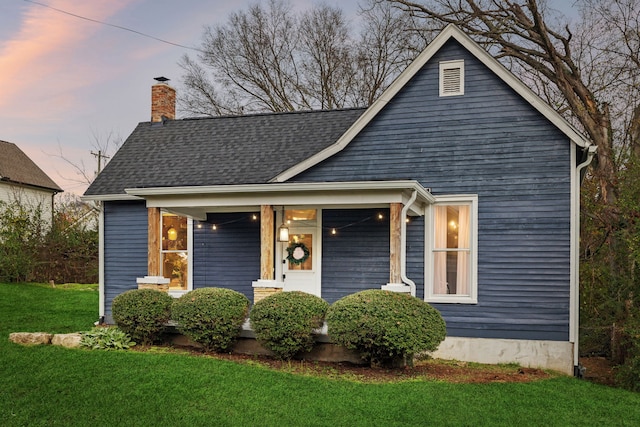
column 431, row 369
column 453, row 372
column 598, row 369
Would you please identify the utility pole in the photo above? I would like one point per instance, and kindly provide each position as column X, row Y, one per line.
column 100, row 156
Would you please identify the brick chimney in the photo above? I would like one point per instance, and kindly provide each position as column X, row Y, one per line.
column 163, row 101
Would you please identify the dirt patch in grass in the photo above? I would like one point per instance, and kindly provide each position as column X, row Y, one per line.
column 598, row 370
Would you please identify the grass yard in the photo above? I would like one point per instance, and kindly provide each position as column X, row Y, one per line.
column 51, row 386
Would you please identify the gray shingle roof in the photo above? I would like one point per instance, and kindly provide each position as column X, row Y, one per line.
column 17, row 167
column 219, row 150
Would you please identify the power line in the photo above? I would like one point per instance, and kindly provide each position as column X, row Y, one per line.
column 115, row 26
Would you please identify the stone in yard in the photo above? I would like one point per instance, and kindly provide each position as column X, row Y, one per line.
column 67, row 340
column 30, row 338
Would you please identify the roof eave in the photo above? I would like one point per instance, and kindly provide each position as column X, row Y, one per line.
column 279, row 188
column 36, row 186
column 354, row 193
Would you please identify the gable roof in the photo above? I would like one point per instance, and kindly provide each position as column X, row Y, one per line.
column 450, row 32
column 16, row 167
column 229, row 150
column 270, row 148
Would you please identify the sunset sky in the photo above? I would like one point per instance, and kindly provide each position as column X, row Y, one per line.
column 65, row 81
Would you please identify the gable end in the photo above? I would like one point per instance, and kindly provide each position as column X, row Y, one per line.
column 450, row 32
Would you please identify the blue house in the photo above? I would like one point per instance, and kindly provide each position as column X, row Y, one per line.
column 458, row 185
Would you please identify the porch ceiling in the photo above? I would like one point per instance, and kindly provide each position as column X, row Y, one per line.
column 195, row 202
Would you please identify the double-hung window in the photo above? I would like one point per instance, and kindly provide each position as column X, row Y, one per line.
column 175, row 250
column 452, row 258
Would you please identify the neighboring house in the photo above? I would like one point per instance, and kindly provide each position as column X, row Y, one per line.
column 459, row 185
column 23, row 181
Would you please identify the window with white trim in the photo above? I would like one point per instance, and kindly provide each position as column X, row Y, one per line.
column 452, row 255
column 452, row 78
column 175, row 250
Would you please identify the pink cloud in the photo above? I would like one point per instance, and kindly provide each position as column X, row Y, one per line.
column 37, row 62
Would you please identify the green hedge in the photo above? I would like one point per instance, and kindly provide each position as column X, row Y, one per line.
column 142, row 313
column 284, row 322
column 385, row 326
column 211, row 317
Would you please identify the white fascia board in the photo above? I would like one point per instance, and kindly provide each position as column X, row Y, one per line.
column 408, row 185
column 199, row 200
column 451, row 31
column 290, row 199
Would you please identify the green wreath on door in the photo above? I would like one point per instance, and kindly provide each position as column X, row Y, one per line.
column 297, row 253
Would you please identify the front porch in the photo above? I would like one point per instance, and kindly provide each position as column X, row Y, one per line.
column 328, row 224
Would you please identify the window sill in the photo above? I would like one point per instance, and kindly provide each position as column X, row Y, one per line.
column 451, row 300
column 177, row 293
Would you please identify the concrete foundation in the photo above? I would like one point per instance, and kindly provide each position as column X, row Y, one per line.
column 553, row 355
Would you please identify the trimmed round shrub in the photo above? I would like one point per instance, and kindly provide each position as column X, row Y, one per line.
column 384, row 326
column 142, row 313
column 211, row 317
column 284, row 322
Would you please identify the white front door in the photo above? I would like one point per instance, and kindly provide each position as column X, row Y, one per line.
column 301, row 255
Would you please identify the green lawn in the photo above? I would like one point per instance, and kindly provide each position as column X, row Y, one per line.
column 55, row 386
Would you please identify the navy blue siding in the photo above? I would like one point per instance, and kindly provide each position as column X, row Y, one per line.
column 415, row 254
column 492, row 143
column 125, row 248
column 357, row 256
column 228, row 257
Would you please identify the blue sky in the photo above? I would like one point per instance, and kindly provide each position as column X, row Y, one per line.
column 65, row 81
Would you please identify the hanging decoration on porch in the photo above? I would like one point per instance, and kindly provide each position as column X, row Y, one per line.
column 297, row 253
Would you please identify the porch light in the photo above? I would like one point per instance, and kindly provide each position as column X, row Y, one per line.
column 172, row 233
column 283, row 231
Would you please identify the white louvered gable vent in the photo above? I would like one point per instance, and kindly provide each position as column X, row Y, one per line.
column 452, row 78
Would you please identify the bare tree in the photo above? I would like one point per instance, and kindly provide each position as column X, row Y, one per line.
column 271, row 59
column 325, row 57
column 388, row 42
column 200, row 96
column 252, row 60
column 102, row 148
column 517, row 31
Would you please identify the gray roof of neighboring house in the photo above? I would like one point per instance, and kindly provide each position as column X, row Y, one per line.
column 250, row 149
column 18, row 168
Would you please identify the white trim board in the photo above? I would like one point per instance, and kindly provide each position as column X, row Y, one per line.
column 195, row 202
